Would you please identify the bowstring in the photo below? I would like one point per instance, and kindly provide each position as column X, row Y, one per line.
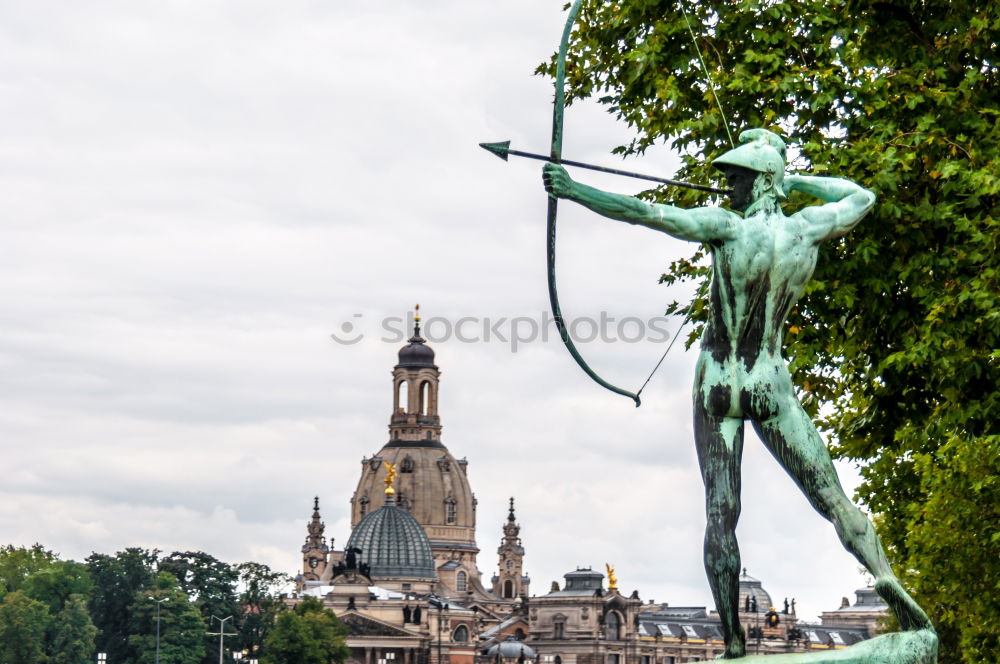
column 725, row 124
column 664, row 356
column 708, row 77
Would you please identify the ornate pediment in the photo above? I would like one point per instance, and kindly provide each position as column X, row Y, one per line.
column 361, row 625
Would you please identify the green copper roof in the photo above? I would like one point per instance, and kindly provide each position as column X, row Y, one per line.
column 393, row 543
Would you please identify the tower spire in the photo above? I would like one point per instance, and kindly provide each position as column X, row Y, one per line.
column 511, row 581
column 315, row 551
column 416, row 322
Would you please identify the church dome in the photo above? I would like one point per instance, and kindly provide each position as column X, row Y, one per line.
column 416, row 353
column 511, row 649
column 752, row 588
column 393, row 544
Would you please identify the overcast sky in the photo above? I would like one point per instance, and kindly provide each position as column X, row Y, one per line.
column 195, row 195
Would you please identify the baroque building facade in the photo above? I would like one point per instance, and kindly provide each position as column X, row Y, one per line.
column 409, row 590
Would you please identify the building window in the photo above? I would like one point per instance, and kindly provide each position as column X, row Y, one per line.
column 402, row 396
column 424, row 393
column 612, row 628
column 450, row 511
column 461, row 581
column 559, row 630
column 614, row 658
column 645, row 659
column 387, row 658
column 461, row 634
column 508, row 589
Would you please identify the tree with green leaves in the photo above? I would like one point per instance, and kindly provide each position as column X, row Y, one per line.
column 307, row 634
column 211, row 586
column 181, row 628
column 73, row 633
column 117, row 581
column 260, row 603
column 23, row 625
column 898, row 328
column 54, row 584
column 17, row 563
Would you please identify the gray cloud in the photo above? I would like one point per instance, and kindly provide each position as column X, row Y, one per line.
column 196, row 194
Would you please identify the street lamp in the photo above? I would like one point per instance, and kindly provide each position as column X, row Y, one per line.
column 158, row 602
column 221, row 632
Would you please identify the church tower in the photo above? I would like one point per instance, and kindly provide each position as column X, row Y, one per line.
column 432, row 484
column 511, row 582
column 315, row 552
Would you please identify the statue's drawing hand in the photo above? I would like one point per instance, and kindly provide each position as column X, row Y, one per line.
column 557, row 181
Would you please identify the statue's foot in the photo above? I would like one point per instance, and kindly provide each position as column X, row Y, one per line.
column 908, row 612
column 733, row 651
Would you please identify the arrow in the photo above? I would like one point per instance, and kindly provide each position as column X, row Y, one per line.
column 503, row 151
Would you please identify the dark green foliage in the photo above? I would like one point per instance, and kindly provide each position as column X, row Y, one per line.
column 308, row 634
column 117, row 580
column 73, row 633
column 54, row 584
column 23, row 623
column 182, row 630
column 17, row 563
column 900, row 328
column 260, row 603
column 211, row 586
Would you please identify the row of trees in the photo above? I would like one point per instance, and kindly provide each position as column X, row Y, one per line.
column 65, row 611
column 900, row 327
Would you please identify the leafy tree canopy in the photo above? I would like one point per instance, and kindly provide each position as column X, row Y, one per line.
column 23, row 623
column 260, row 593
column 117, row 580
column 181, row 627
column 54, row 584
column 899, row 329
column 17, row 563
column 308, row 634
column 73, row 633
column 211, row 585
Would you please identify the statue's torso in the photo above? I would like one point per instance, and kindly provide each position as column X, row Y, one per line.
column 756, row 279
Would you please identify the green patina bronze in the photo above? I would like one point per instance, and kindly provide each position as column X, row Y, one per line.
column 761, row 261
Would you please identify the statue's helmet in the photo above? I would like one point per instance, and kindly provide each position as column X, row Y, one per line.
column 762, row 151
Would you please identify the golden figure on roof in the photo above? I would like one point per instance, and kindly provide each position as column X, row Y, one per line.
column 612, row 579
column 390, row 477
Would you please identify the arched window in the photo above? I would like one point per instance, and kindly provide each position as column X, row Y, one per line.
column 461, row 581
column 450, row 510
column 612, row 626
column 402, row 396
column 461, row 634
column 407, row 464
column 364, row 505
column 508, row 589
column 424, row 396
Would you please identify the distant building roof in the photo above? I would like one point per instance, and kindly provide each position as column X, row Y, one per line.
column 393, row 544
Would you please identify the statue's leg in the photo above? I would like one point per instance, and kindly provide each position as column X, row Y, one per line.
column 720, row 447
column 792, row 438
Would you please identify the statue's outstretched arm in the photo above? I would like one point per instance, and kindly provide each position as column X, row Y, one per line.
column 697, row 225
column 846, row 204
